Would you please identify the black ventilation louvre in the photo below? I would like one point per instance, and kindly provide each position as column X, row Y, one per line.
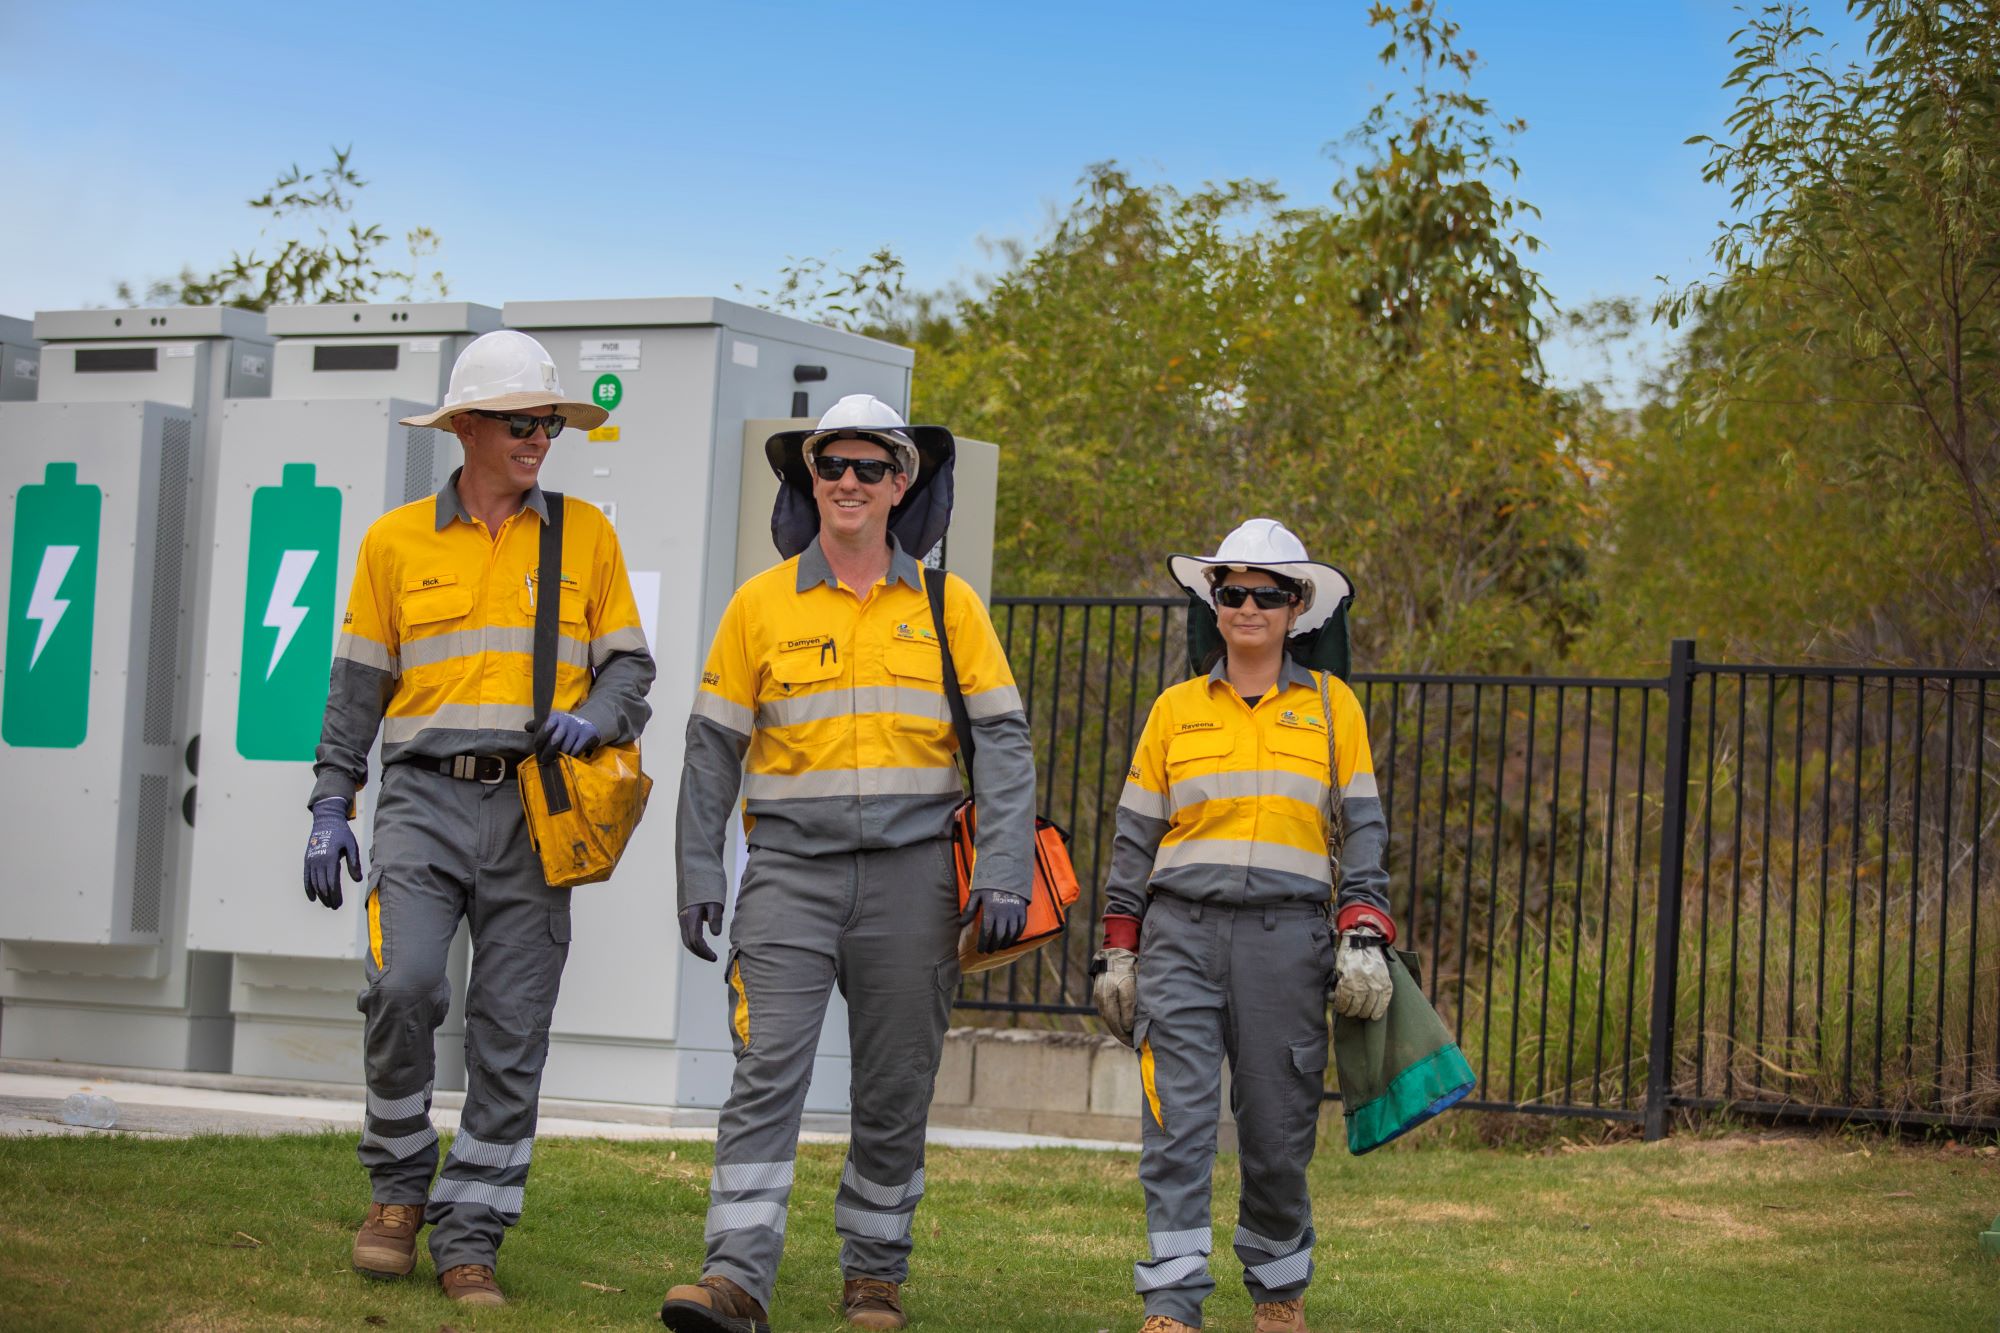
column 149, row 854
column 355, row 356
column 103, row 360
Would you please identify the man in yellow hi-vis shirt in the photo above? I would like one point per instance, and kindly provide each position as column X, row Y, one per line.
column 437, row 653
column 823, row 698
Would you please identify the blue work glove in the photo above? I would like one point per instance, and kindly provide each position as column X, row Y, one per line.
column 330, row 843
column 1002, row 916
column 565, row 733
column 692, row 920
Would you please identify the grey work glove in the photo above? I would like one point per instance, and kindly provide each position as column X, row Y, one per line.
column 565, row 733
column 1114, row 988
column 1361, row 966
column 693, row 919
column 1002, row 917
column 330, row 843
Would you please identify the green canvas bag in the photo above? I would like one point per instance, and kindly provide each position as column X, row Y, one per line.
column 1403, row 1068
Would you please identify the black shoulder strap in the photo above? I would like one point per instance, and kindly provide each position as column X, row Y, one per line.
column 548, row 602
column 960, row 722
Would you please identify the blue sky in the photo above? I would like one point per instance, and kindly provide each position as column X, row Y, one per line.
column 674, row 149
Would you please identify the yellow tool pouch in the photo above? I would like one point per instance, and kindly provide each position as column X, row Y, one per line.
column 580, row 811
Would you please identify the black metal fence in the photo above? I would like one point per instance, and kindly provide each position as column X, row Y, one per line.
column 1807, row 848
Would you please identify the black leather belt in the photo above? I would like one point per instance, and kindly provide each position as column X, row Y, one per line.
column 490, row 769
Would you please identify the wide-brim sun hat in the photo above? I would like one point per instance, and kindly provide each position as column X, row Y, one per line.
column 1267, row 544
column 507, row 371
column 925, row 453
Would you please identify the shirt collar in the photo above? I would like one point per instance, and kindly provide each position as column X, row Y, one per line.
column 813, row 567
column 1290, row 672
column 450, row 507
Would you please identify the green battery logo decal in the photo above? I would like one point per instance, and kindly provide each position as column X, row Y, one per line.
column 288, row 617
column 51, row 611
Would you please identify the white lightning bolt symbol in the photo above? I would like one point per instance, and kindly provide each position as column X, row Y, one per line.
column 43, row 604
column 283, row 613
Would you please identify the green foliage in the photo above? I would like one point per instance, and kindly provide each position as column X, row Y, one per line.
column 1435, row 243
column 1847, row 350
column 321, row 255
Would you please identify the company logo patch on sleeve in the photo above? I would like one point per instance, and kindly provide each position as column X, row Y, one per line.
column 711, row 678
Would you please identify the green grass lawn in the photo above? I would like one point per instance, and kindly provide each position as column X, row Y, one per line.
column 1817, row 1234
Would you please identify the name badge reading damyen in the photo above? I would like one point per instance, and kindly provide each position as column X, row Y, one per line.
column 800, row 645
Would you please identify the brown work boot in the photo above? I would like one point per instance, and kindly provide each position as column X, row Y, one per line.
column 1159, row 1323
column 872, row 1303
column 471, row 1284
column 1280, row 1317
column 713, row 1305
column 386, row 1245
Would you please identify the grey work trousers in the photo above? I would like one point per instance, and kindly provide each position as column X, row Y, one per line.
column 883, row 925
column 1248, row 983
column 445, row 849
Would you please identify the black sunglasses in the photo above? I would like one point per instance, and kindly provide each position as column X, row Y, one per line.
column 870, row 471
column 1233, row 595
column 522, row 426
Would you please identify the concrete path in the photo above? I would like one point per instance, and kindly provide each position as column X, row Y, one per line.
column 159, row 1104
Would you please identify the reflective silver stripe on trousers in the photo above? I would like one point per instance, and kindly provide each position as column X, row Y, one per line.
column 1175, row 1244
column 404, row 1145
column 1251, row 782
column 500, row 1198
column 1168, row 1272
column 735, row 1177
column 1289, row 1271
column 1245, row 1236
column 729, row 716
column 876, row 1226
column 886, row 1196
column 1241, row 853
column 851, row 782
column 482, row 1152
column 457, row 717
column 364, row 652
column 827, row 705
column 736, row 1216
column 399, row 1108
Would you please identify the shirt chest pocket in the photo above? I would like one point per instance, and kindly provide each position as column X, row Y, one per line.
column 795, row 696
column 916, row 676
column 569, row 606
column 431, row 623
column 1300, row 743
column 1197, row 766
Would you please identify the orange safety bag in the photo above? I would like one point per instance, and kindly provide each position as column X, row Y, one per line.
column 1055, row 888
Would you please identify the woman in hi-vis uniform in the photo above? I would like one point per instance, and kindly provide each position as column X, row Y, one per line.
column 1221, row 922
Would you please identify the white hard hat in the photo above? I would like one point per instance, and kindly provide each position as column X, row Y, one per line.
column 1267, row 544
column 507, row 371
column 863, row 416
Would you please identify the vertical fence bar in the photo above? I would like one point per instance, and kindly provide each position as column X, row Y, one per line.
column 1604, row 912
column 1414, row 917
column 1521, row 899
column 1978, row 842
column 1493, row 885
column 1853, row 892
column 1882, row 887
column 1798, row 818
column 1673, row 852
column 1549, row 902
column 1638, row 860
column 1944, row 896
column 1916, row 889
column 1576, row 898
column 1735, row 883
column 1465, row 889
column 1764, row 853
column 1825, row 872
column 1444, row 809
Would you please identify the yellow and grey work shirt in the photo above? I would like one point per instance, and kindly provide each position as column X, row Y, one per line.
column 437, row 649
column 1227, row 802
column 830, row 714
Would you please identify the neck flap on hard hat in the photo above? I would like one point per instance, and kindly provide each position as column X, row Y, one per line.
column 918, row 523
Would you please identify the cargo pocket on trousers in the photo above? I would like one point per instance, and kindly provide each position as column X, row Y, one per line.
column 1309, row 1059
